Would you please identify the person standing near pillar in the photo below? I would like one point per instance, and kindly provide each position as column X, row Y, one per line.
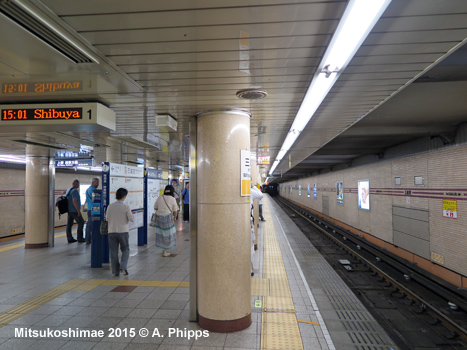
column 185, row 197
column 94, row 186
column 176, row 193
column 260, row 205
column 118, row 216
column 74, row 212
column 257, row 194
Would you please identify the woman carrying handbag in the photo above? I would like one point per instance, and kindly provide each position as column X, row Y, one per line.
column 166, row 211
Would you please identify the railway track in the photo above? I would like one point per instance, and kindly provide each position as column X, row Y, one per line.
column 417, row 310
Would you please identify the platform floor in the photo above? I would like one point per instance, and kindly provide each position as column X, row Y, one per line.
column 52, row 298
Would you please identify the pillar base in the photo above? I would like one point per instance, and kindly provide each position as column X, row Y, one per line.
column 224, row 326
column 36, row 245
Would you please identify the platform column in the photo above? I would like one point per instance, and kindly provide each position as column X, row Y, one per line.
column 224, row 280
column 39, row 198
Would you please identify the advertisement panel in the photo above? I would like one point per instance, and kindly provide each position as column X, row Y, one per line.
column 340, row 192
column 364, row 194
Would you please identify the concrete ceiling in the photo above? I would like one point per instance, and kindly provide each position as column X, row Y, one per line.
column 182, row 57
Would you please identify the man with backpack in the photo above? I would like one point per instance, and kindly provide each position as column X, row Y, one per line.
column 74, row 212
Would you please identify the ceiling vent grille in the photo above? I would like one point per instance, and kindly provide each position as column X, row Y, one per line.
column 42, row 31
column 251, row 94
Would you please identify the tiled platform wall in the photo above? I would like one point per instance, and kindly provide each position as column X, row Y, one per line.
column 12, row 187
column 443, row 174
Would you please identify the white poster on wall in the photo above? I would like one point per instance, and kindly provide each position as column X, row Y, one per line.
column 364, row 194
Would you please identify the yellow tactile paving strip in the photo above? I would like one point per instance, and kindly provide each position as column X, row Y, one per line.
column 10, row 247
column 279, row 324
column 77, row 284
column 13, row 246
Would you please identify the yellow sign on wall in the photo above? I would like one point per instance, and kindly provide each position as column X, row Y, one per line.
column 437, row 258
column 245, row 173
column 450, row 209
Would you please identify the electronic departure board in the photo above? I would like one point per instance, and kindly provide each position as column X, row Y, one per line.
column 41, row 87
column 41, row 113
column 60, row 116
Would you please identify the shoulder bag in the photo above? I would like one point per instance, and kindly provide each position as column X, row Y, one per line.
column 104, row 227
column 153, row 220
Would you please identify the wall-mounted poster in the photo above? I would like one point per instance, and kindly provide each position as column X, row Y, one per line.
column 300, row 190
column 290, row 189
column 308, row 187
column 340, row 192
column 315, row 192
column 364, row 194
column 245, row 173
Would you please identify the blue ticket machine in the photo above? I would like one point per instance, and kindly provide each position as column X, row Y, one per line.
column 99, row 244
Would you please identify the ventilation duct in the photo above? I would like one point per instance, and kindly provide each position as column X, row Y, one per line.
column 45, row 30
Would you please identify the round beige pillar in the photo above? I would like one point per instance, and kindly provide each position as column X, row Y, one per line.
column 36, row 197
column 224, row 261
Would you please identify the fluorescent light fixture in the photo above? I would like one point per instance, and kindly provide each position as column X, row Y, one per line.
column 359, row 18
column 90, row 168
column 42, row 23
column 10, row 159
column 356, row 23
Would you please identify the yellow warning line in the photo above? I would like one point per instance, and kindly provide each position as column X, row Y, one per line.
column 279, row 324
column 19, row 245
column 76, row 284
column 10, row 247
column 308, row 322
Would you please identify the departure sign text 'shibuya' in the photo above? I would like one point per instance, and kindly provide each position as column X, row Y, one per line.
column 42, row 113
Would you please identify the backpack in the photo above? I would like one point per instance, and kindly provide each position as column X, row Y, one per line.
column 62, row 204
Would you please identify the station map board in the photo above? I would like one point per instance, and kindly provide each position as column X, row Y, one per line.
column 153, row 189
column 115, row 176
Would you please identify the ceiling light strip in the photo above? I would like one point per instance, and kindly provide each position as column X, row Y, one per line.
column 359, row 18
column 46, row 29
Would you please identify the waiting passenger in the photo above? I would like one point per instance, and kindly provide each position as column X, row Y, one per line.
column 256, row 194
column 118, row 216
column 166, row 212
column 185, row 198
column 176, row 194
column 74, row 212
column 88, row 205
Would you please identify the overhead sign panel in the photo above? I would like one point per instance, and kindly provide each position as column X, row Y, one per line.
column 57, row 117
column 41, row 87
